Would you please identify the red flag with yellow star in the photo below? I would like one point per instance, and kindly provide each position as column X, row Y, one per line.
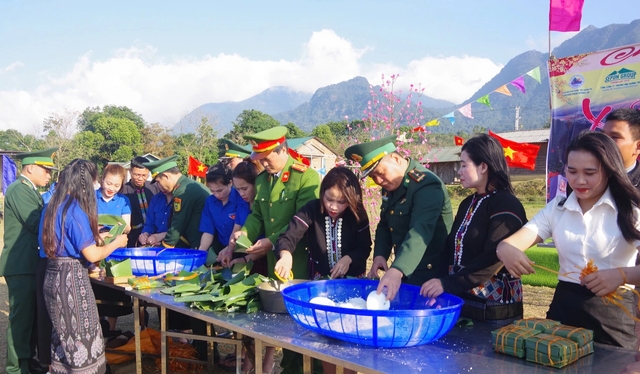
column 298, row 157
column 518, row 155
column 197, row 168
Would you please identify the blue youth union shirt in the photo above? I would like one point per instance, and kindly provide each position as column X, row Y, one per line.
column 219, row 219
column 158, row 214
column 117, row 206
column 76, row 233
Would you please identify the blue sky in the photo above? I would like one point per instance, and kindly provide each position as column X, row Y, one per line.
column 165, row 58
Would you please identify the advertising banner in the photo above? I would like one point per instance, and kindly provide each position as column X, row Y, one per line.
column 584, row 89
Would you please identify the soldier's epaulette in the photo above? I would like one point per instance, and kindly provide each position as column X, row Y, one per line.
column 416, row 175
column 25, row 182
column 299, row 167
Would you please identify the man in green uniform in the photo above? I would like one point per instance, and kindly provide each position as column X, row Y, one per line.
column 415, row 216
column 234, row 153
column 281, row 190
column 22, row 209
column 188, row 201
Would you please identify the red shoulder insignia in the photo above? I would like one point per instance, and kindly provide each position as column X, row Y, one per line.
column 416, row 175
column 299, row 167
column 285, row 177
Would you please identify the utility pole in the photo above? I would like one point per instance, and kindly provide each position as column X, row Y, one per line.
column 517, row 118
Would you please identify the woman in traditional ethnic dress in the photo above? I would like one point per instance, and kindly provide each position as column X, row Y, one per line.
column 598, row 222
column 70, row 241
column 337, row 229
column 491, row 214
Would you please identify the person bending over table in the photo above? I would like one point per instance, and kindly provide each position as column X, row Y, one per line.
column 415, row 216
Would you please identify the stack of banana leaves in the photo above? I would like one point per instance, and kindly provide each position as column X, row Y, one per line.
column 223, row 290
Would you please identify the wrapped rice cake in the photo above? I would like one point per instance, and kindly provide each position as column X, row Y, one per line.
column 579, row 335
column 537, row 323
column 551, row 350
column 510, row 339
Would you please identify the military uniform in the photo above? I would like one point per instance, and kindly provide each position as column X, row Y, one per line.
column 188, row 201
column 23, row 207
column 235, row 150
column 274, row 207
column 415, row 219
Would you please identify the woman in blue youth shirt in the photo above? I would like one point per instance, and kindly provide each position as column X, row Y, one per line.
column 220, row 209
column 111, row 201
column 69, row 239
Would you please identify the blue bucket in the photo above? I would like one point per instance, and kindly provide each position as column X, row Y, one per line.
column 146, row 261
column 411, row 320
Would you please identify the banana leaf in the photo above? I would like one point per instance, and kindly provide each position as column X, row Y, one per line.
column 117, row 268
column 116, row 223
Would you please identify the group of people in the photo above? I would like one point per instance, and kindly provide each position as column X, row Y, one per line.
column 300, row 226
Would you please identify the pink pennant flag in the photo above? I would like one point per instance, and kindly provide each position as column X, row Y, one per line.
column 503, row 90
column 519, row 84
column 466, row 111
column 565, row 15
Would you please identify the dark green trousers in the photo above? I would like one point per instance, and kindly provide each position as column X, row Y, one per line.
column 21, row 331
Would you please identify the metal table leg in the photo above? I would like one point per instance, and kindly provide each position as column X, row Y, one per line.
column 137, row 330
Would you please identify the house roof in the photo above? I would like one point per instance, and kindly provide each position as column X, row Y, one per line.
column 297, row 142
column 127, row 164
column 444, row 154
column 527, row 136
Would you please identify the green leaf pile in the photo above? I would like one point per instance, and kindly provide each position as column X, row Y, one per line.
column 220, row 291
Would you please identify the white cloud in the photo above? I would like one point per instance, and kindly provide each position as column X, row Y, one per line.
column 162, row 90
column 12, row 66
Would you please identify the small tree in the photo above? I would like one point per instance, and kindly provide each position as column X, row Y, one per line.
column 250, row 122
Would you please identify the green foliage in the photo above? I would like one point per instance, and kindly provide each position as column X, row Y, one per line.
column 250, row 122
column 88, row 118
column 121, row 139
column 323, row 132
column 294, row 131
column 202, row 145
column 14, row 140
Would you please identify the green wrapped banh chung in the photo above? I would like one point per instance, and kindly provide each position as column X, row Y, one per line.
column 586, row 349
column 537, row 323
column 579, row 335
column 510, row 339
column 551, row 350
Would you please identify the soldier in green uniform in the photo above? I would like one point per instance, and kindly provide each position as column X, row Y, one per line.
column 22, row 209
column 282, row 189
column 188, row 201
column 415, row 216
column 234, row 153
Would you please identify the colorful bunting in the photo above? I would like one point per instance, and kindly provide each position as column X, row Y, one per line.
column 458, row 140
column 503, row 90
column 518, row 155
column 197, row 168
column 565, row 15
column 433, row 122
column 535, row 74
column 466, row 111
column 485, row 100
column 519, row 84
column 450, row 117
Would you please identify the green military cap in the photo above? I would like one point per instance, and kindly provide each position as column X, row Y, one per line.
column 157, row 167
column 266, row 141
column 42, row 158
column 369, row 154
column 236, row 150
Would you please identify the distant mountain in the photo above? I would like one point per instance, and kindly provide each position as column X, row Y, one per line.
column 349, row 98
column 270, row 101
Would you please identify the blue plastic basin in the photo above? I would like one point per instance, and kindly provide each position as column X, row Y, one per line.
column 412, row 319
column 146, row 261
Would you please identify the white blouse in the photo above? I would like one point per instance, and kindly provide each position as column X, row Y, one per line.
column 582, row 237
